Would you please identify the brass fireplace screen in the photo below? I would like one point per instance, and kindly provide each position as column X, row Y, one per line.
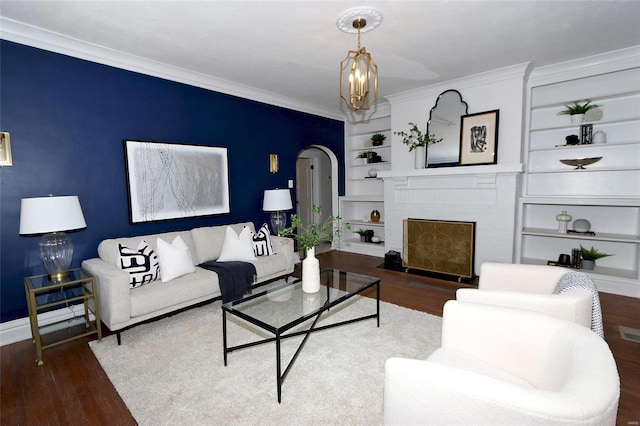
column 445, row 247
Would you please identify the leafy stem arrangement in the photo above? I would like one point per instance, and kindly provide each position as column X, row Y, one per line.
column 578, row 108
column 309, row 236
column 415, row 138
column 592, row 253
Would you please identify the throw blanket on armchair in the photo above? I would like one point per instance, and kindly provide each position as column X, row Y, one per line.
column 581, row 280
column 235, row 278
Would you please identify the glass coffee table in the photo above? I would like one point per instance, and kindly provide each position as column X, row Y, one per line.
column 283, row 307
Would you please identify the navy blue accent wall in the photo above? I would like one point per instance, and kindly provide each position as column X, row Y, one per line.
column 68, row 117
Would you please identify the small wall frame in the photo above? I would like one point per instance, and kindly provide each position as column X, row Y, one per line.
column 479, row 138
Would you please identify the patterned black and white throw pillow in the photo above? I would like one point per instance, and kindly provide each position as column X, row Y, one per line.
column 262, row 242
column 141, row 264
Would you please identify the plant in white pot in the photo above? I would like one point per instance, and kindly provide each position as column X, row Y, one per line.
column 418, row 142
column 589, row 257
column 576, row 110
column 308, row 237
column 362, row 155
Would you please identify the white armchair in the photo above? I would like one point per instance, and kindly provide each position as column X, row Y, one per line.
column 529, row 287
column 504, row 366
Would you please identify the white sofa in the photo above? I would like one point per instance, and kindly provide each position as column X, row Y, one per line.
column 505, row 366
column 122, row 306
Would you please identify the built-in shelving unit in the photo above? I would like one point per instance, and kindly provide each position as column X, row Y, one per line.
column 364, row 193
column 606, row 193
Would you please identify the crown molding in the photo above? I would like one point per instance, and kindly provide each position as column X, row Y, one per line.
column 29, row 35
column 475, row 80
column 616, row 60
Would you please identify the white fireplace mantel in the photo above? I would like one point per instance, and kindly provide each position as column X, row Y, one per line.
column 491, row 169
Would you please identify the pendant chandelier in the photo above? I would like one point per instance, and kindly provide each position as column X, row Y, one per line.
column 358, row 71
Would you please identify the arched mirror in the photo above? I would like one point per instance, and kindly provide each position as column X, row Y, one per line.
column 444, row 122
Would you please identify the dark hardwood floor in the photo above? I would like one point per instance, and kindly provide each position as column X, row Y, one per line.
column 72, row 388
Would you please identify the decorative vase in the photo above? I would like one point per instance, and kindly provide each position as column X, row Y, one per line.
column 587, row 264
column 421, row 157
column 577, row 118
column 311, row 272
column 599, row 137
column 563, row 218
column 375, row 216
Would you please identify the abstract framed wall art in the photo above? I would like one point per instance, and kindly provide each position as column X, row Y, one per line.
column 172, row 181
column 479, row 138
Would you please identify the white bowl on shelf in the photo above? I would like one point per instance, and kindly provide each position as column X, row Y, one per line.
column 581, row 225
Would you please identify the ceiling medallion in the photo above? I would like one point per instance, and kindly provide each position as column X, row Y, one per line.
column 358, row 71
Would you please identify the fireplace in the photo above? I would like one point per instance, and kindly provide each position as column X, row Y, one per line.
column 440, row 247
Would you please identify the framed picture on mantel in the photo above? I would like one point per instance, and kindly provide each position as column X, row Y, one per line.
column 173, row 181
column 479, row 138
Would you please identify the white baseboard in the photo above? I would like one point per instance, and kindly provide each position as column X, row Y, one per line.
column 20, row 329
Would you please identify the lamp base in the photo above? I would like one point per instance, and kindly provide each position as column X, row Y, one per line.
column 56, row 252
column 278, row 221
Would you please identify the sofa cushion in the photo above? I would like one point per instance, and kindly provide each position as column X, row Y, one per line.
column 141, row 264
column 270, row 265
column 208, row 241
column 237, row 247
column 262, row 242
column 108, row 249
column 158, row 296
column 175, row 259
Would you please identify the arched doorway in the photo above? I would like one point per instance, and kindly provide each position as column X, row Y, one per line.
column 316, row 184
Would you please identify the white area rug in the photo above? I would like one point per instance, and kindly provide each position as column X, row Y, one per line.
column 171, row 372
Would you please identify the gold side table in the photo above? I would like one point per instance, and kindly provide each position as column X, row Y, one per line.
column 46, row 295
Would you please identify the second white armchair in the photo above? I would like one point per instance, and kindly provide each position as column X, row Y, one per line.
column 530, row 287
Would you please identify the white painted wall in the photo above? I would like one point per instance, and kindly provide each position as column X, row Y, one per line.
column 502, row 89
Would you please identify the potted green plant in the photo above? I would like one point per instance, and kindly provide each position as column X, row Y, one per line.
column 362, row 155
column 378, row 139
column 589, row 257
column 308, row 237
column 576, row 110
column 362, row 233
column 419, row 142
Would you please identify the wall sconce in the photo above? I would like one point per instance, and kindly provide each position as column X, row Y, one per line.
column 5, row 149
column 273, row 163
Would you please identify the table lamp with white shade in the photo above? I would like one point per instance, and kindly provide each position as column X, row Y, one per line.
column 51, row 216
column 277, row 201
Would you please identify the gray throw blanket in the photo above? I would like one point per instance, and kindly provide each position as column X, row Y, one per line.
column 235, row 278
column 572, row 280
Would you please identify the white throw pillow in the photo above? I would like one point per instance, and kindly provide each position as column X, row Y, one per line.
column 237, row 247
column 175, row 259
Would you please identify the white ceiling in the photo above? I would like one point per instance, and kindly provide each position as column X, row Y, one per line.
column 293, row 48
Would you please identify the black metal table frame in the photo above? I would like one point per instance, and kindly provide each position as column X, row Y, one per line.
column 278, row 333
